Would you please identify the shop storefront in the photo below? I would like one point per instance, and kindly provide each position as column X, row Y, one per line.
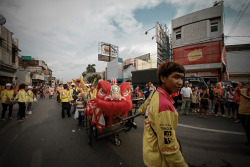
column 204, row 60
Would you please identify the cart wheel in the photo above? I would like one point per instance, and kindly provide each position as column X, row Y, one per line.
column 117, row 141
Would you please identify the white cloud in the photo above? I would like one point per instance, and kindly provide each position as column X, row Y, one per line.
column 66, row 33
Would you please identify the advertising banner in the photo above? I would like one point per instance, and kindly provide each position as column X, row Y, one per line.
column 33, row 69
column 107, row 52
column 205, row 53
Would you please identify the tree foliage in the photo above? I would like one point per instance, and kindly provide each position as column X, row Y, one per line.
column 90, row 79
column 91, row 68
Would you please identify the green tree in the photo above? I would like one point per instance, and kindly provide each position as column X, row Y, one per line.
column 91, row 68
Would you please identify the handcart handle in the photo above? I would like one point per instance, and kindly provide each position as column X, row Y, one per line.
column 125, row 119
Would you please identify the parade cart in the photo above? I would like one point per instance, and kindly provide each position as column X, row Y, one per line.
column 110, row 113
column 121, row 125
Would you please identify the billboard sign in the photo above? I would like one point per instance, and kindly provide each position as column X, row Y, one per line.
column 204, row 53
column 107, row 50
column 105, row 58
column 33, row 69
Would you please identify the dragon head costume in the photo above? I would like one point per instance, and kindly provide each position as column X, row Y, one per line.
column 111, row 99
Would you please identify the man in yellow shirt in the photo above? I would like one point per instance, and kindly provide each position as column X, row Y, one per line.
column 7, row 93
column 160, row 146
column 244, row 110
column 65, row 99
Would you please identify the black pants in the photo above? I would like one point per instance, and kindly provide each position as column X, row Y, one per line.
column 5, row 106
column 222, row 109
column 65, row 106
column 237, row 110
column 80, row 118
column 21, row 110
column 245, row 121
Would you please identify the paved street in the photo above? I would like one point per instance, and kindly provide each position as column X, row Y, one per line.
column 46, row 140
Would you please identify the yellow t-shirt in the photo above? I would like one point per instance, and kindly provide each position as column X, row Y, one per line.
column 22, row 96
column 64, row 96
column 30, row 96
column 7, row 93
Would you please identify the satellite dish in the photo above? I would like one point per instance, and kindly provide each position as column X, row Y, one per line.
column 2, row 20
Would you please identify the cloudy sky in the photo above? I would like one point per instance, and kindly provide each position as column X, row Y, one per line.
column 65, row 34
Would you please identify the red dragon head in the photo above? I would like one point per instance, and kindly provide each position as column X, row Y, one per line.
column 113, row 99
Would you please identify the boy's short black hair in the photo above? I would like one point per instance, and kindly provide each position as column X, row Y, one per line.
column 22, row 86
column 167, row 67
column 65, row 86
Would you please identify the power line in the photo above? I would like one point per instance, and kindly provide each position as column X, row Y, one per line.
column 241, row 13
column 236, row 36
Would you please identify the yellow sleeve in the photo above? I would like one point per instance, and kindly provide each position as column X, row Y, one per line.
column 164, row 124
column 142, row 109
column 2, row 94
column 17, row 96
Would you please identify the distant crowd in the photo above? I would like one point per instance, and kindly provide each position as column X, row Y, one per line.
column 220, row 100
column 24, row 96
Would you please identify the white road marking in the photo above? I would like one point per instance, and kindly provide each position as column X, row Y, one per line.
column 212, row 130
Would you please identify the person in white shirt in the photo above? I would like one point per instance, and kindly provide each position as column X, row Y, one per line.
column 186, row 95
column 230, row 104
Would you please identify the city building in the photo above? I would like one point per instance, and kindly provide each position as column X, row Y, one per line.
column 115, row 69
column 8, row 56
column 48, row 76
column 139, row 63
column 36, row 68
column 142, row 62
column 198, row 43
column 238, row 58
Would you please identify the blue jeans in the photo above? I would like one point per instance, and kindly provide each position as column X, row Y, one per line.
column 230, row 106
column 212, row 105
column 29, row 106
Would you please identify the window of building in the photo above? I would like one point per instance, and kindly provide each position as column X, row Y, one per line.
column 214, row 26
column 178, row 34
column 13, row 56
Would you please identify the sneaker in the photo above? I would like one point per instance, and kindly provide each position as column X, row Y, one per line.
column 10, row 118
column 3, row 119
column 229, row 117
column 223, row 115
column 217, row 115
column 237, row 121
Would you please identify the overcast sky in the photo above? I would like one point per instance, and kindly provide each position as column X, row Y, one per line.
column 65, row 34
